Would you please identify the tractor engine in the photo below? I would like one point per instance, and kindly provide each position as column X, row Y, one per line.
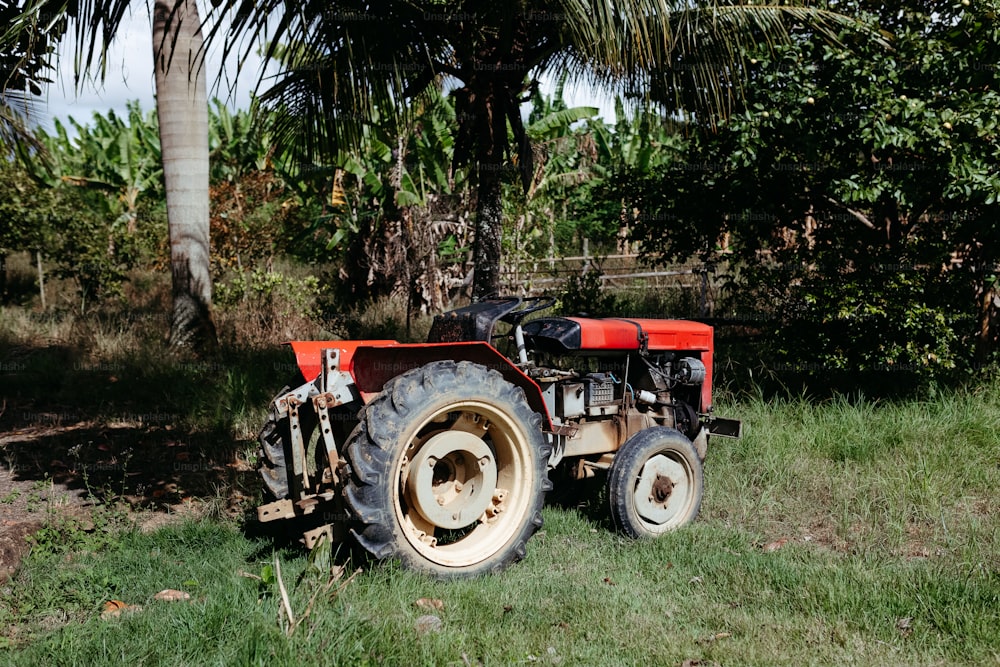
column 605, row 380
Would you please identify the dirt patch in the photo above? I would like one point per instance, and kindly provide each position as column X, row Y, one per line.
column 14, row 545
column 59, row 471
column 25, row 505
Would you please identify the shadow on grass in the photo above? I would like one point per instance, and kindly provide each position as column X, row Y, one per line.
column 62, row 384
column 587, row 496
column 148, row 467
column 152, row 428
column 158, row 431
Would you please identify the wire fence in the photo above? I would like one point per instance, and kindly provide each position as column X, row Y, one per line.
column 699, row 282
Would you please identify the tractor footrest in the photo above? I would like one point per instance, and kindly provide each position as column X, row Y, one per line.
column 279, row 509
column 334, row 532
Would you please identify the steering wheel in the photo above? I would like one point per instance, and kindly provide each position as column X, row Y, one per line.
column 531, row 304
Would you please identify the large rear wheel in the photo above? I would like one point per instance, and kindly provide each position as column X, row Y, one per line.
column 448, row 471
column 275, row 450
column 655, row 483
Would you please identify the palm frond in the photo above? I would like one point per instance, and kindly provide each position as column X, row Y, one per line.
column 352, row 68
column 93, row 25
column 27, row 45
column 684, row 54
column 14, row 130
column 347, row 64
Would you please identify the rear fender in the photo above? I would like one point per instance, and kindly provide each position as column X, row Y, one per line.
column 375, row 364
column 309, row 354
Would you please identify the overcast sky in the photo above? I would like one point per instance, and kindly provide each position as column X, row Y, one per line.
column 130, row 77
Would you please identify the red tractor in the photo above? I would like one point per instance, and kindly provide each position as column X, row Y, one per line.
column 439, row 453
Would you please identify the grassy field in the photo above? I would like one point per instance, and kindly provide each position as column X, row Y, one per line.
column 844, row 532
column 830, row 535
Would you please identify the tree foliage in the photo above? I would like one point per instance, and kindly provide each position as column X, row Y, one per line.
column 27, row 46
column 346, row 66
column 93, row 188
column 858, row 193
column 92, row 199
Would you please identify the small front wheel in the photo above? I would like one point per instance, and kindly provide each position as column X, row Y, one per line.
column 655, row 483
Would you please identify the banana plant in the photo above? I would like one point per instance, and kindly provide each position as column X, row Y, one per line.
column 95, row 177
column 395, row 168
column 552, row 131
column 563, row 160
column 391, row 202
column 238, row 142
column 118, row 157
column 638, row 139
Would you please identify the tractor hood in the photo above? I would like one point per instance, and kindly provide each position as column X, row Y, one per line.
column 568, row 335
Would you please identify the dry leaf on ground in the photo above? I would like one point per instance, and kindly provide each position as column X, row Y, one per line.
column 774, row 546
column 171, row 595
column 429, row 603
column 113, row 608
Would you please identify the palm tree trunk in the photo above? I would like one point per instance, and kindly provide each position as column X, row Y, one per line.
column 182, row 109
column 486, row 248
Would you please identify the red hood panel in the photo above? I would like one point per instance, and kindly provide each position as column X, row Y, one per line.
column 626, row 334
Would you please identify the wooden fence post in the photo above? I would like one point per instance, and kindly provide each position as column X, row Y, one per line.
column 41, row 277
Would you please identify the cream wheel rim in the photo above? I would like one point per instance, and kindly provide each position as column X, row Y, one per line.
column 663, row 491
column 463, row 491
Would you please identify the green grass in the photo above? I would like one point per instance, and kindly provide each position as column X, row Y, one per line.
column 891, row 556
column 582, row 598
column 904, row 478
